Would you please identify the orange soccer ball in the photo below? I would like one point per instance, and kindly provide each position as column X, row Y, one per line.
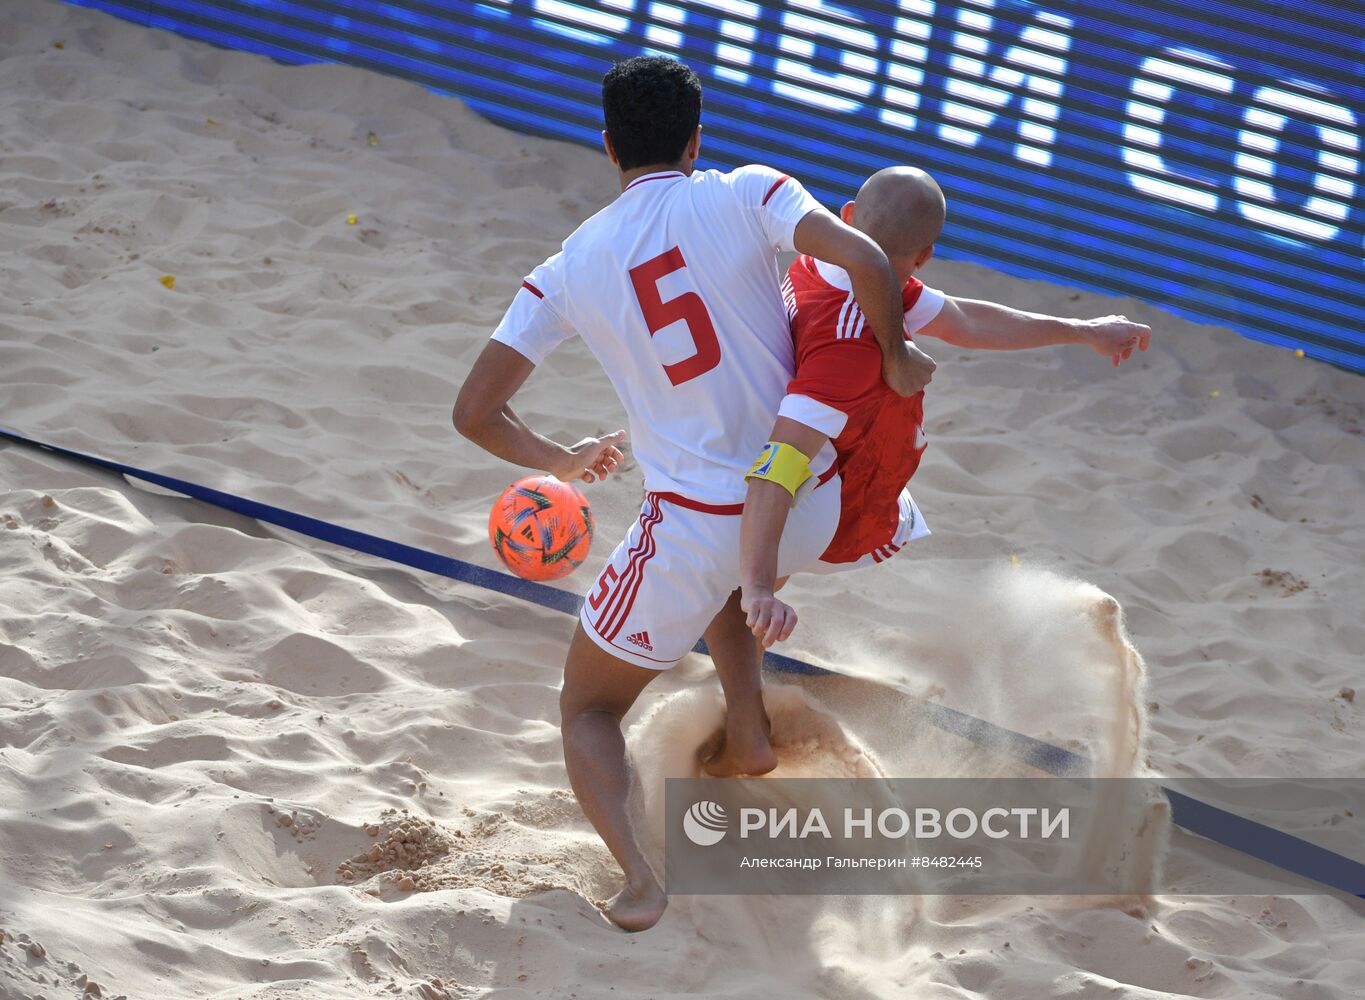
column 541, row 528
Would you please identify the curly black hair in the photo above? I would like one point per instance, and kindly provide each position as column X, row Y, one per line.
column 652, row 105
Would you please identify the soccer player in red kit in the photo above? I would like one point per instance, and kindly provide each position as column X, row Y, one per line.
column 838, row 394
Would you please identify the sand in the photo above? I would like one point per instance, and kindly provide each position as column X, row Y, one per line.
column 224, row 748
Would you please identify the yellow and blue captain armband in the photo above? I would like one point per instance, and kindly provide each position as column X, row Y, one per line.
column 782, row 464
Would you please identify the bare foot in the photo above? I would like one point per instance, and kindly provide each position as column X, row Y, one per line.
column 726, row 758
column 726, row 755
column 728, row 763
column 637, row 909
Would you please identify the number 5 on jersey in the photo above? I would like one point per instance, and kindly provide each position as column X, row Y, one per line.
column 687, row 307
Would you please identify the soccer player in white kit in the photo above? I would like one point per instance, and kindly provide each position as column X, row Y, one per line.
column 674, row 287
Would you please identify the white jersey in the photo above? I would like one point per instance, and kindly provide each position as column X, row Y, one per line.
column 674, row 287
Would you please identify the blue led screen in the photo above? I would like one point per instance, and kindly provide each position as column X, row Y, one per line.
column 1204, row 156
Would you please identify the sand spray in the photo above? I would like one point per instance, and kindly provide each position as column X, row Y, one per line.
column 1027, row 649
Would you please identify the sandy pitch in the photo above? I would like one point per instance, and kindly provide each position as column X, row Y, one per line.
column 204, row 727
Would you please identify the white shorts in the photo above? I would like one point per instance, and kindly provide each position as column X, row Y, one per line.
column 910, row 527
column 679, row 564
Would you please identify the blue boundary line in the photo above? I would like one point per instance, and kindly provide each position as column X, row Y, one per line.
column 1265, row 843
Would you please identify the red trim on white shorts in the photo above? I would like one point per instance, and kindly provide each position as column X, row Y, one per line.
column 632, row 650
column 726, row 508
column 618, row 609
column 697, row 505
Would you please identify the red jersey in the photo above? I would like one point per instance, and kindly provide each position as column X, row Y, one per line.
column 878, row 436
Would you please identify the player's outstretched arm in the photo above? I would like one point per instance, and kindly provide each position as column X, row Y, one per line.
column 482, row 415
column 906, row 368
column 993, row 327
column 766, row 506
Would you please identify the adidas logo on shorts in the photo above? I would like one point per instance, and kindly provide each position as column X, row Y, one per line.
column 640, row 639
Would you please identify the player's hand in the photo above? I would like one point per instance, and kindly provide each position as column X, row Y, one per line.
column 1115, row 337
column 592, row 459
column 907, row 371
column 768, row 618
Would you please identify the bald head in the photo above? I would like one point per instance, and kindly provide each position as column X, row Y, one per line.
column 902, row 209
